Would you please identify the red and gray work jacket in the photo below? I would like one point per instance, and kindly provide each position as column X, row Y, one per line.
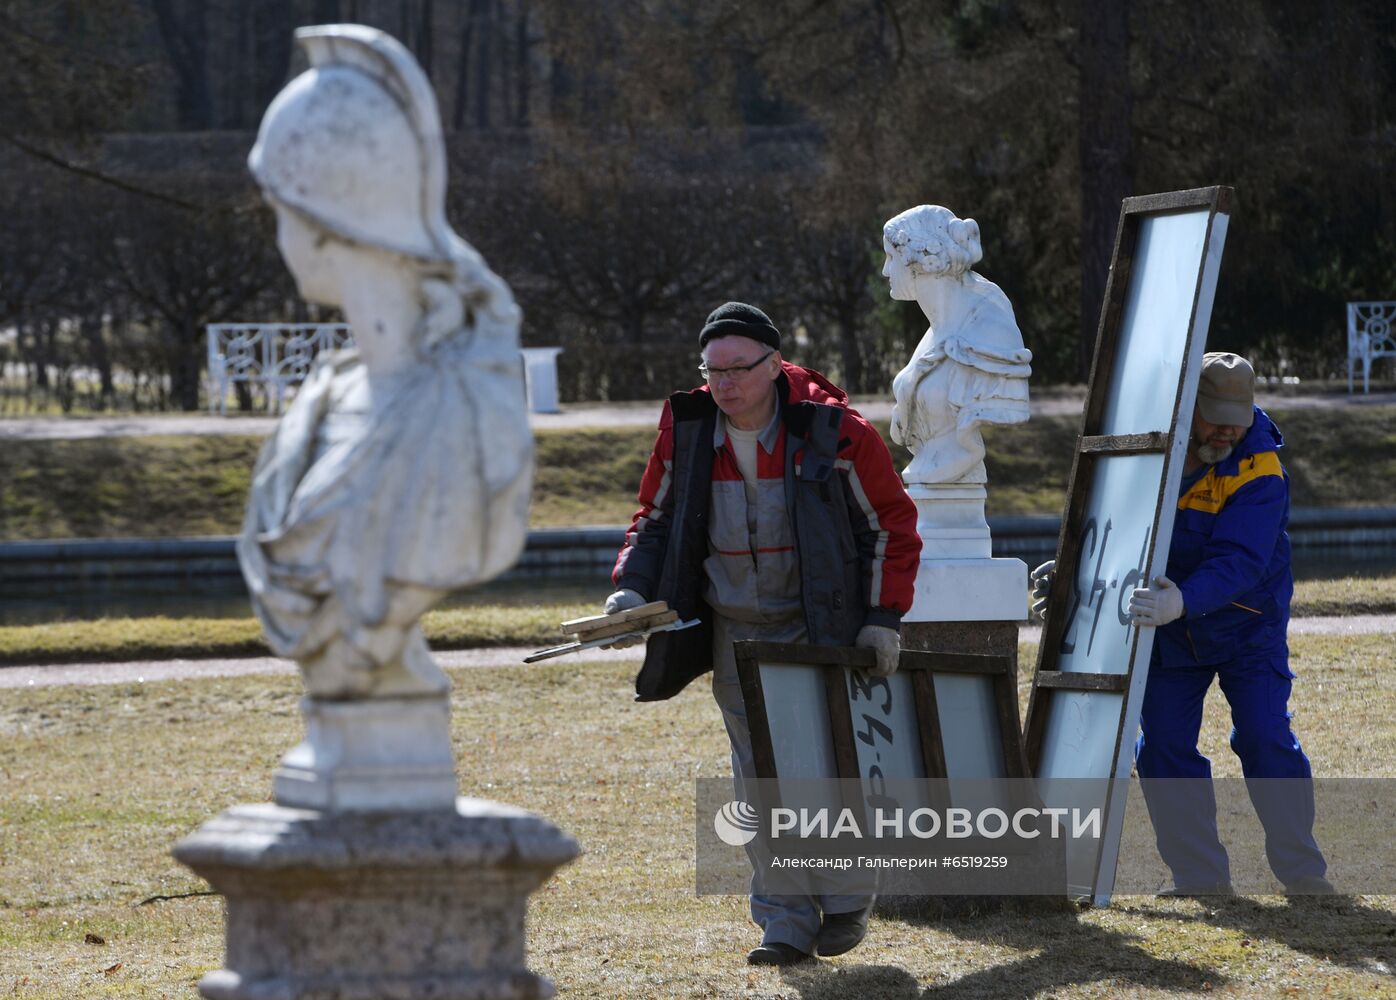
column 847, row 541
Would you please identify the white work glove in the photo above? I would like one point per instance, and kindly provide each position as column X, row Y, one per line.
column 623, row 600
column 886, row 642
column 1157, row 605
column 1041, row 584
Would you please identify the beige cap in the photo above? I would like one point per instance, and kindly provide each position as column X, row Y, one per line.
column 1226, row 391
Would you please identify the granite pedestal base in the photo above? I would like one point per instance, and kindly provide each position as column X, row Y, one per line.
column 403, row 905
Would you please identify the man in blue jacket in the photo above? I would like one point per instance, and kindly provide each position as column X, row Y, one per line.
column 1222, row 611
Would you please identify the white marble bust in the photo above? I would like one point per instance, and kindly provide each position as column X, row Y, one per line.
column 971, row 367
column 402, row 469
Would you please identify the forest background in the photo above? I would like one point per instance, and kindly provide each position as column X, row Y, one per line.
column 628, row 164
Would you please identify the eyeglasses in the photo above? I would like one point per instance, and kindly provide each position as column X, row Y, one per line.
column 736, row 373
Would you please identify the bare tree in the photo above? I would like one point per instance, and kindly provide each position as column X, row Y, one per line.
column 185, row 273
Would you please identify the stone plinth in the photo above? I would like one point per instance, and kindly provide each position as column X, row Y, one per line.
column 970, row 590
column 958, row 580
column 378, row 754
column 376, row 906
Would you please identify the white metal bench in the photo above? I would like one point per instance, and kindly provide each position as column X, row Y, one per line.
column 1371, row 335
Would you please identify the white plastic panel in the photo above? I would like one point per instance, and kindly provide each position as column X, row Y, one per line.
column 1081, row 734
column 969, row 726
column 1113, row 549
column 887, row 740
column 797, row 710
column 885, row 731
column 1154, row 327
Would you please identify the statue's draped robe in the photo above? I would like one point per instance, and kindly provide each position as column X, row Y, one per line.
column 961, row 377
column 426, row 488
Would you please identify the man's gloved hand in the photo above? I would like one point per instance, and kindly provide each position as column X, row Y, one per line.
column 1158, row 605
column 1041, row 584
column 886, row 642
column 623, row 600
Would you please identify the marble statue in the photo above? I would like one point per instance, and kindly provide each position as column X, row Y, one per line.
column 402, row 469
column 400, row 472
column 971, row 367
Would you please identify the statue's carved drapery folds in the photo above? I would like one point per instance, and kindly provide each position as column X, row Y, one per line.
column 971, row 367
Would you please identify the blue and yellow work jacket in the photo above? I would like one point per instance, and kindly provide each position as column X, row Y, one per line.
column 1230, row 557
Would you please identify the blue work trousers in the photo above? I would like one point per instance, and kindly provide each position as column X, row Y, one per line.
column 1184, row 813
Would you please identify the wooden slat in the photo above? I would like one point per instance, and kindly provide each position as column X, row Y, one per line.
column 1015, row 764
column 1175, row 200
column 601, row 621
column 621, row 628
column 1066, row 680
column 1154, row 442
column 841, row 723
column 928, row 725
column 758, row 726
column 956, row 663
column 814, row 656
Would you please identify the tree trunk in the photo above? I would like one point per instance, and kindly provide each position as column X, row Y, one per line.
column 186, row 47
column 467, row 38
column 522, row 75
column 98, row 355
column 190, row 376
column 274, row 32
column 1106, row 151
column 484, row 63
column 425, row 33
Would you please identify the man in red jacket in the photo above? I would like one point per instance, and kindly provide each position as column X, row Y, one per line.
column 769, row 510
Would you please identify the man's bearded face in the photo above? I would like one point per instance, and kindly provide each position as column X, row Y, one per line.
column 1212, row 443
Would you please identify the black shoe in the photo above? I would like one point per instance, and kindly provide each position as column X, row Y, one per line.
column 1310, row 885
column 841, row 932
column 1197, row 891
column 777, row 953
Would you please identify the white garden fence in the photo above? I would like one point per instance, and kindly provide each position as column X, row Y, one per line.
column 274, row 357
column 271, row 357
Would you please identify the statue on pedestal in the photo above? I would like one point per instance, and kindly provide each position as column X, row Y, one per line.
column 971, row 367
column 401, row 472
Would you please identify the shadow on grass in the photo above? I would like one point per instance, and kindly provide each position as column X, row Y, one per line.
column 1068, row 952
column 1336, row 929
column 827, row 982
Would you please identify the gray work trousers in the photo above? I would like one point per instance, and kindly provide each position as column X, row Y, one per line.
column 785, row 919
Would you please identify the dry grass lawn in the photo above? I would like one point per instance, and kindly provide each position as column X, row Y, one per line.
column 100, row 781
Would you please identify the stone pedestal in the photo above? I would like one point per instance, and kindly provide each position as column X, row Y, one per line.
column 378, row 754
column 371, row 906
column 958, row 579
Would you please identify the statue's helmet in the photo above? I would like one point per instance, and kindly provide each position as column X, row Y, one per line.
column 354, row 144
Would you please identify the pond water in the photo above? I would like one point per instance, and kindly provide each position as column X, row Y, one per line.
column 225, row 597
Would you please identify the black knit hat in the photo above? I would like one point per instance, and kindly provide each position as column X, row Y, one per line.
column 740, row 320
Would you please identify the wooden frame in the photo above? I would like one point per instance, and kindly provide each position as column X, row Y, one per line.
column 837, row 665
column 1097, row 447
